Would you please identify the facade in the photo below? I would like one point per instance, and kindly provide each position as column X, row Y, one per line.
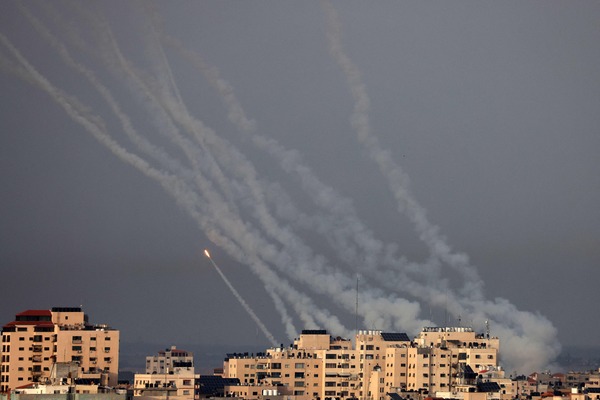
column 171, row 386
column 318, row 366
column 169, row 374
column 170, row 360
column 48, row 345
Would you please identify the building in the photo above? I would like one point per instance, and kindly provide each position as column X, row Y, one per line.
column 170, row 360
column 318, row 366
column 167, row 386
column 43, row 346
column 169, row 374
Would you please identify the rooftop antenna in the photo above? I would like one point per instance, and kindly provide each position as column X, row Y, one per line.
column 356, row 309
column 446, row 309
column 487, row 329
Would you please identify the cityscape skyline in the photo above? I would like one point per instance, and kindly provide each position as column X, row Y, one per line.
column 386, row 167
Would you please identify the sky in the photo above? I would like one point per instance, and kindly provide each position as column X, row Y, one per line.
column 348, row 165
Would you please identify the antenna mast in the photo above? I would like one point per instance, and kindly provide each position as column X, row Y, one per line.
column 356, row 309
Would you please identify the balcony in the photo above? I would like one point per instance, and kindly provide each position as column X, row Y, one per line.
column 36, row 349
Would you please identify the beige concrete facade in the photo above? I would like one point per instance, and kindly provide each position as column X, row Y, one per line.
column 172, row 386
column 38, row 342
column 171, row 360
column 320, row 366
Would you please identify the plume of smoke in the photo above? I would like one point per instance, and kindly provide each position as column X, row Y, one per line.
column 219, row 183
column 315, row 273
column 340, row 225
column 517, row 328
column 222, row 213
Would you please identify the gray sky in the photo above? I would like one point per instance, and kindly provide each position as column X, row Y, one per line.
column 304, row 144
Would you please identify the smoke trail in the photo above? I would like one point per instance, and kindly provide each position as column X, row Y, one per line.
column 398, row 180
column 315, row 272
column 324, row 318
column 372, row 313
column 239, row 298
column 340, row 226
column 220, row 184
column 532, row 337
column 95, row 126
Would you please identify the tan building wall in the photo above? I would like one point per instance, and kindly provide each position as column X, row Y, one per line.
column 34, row 344
column 319, row 366
column 170, row 360
column 173, row 386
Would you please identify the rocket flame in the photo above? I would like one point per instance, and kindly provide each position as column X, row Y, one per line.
column 207, row 253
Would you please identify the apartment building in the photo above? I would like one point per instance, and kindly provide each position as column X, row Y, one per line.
column 320, row 366
column 178, row 386
column 171, row 360
column 169, row 374
column 38, row 344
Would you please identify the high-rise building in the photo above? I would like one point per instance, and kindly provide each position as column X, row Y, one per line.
column 46, row 345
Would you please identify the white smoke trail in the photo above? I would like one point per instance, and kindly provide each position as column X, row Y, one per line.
column 532, row 337
column 327, row 318
column 324, row 318
column 398, row 180
column 263, row 241
column 313, row 270
column 239, row 298
column 148, row 148
column 340, row 225
column 95, row 126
